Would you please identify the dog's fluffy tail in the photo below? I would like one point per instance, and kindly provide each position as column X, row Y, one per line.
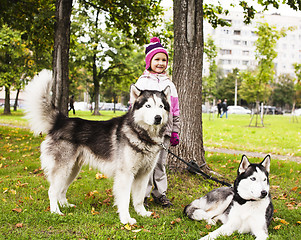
column 38, row 106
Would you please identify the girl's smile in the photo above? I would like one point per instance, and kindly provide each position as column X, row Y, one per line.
column 159, row 63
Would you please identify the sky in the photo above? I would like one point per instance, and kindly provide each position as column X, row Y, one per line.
column 284, row 9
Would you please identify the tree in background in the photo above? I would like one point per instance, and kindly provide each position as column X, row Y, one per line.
column 226, row 84
column 209, row 82
column 26, row 42
column 255, row 87
column 297, row 86
column 14, row 62
column 113, row 60
column 283, row 91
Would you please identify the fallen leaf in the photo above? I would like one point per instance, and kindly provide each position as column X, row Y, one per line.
column 99, row 176
column 19, row 225
column 93, row 211
column 284, row 222
column 208, row 226
column 277, row 227
column 17, row 210
column 294, row 189
column 128, row 227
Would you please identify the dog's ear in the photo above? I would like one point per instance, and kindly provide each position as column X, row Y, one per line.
column 244, row 164
column 167, row 92
column 266, row 162
column 134, row 93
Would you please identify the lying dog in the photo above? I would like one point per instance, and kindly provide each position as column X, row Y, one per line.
column 246, row 207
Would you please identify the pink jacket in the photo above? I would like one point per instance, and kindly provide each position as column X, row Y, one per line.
column 150, row 81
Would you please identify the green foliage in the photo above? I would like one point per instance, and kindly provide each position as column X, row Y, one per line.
column 283, row 91
column 255, row 84
column 226, row 84
column 209, row 82
column 35, row 21
column 297, row 86
column 133, row 18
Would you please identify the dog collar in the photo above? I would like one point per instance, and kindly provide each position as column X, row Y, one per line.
column 240, row 200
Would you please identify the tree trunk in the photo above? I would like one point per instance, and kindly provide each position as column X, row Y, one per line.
column 96, row 88
column 60, row 89
column 7, row 101
column 16, row 100
column 187, row 76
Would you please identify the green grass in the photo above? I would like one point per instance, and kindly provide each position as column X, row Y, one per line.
column 24, row 188
column 279, row 136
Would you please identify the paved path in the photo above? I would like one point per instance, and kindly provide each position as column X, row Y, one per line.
column 220, row 150
column 254, row 154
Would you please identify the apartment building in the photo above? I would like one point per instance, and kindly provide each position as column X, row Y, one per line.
column 236, row 43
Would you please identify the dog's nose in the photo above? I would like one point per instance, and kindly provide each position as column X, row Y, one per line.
column 158, row 119
column 263, row 193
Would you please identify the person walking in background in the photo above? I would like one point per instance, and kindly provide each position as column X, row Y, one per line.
column 155, row 78
column 225, row 108
column 219, row 107
column 71, row 104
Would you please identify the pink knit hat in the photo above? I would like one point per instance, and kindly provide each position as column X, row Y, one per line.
column 153, row 48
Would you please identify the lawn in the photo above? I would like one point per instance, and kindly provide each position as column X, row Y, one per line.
column 280, row 135
column 25, row 205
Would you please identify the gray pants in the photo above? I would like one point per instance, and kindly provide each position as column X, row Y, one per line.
column 158, row 177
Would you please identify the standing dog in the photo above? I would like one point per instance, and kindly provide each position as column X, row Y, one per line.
column 125, row 148
column 245, row 208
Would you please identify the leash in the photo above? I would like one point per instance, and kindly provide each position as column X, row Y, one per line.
column 194, row 168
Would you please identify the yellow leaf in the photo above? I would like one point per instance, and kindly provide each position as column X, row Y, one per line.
column 277, row 227
column 284, row 222
column 128, row 227
column 100, row 176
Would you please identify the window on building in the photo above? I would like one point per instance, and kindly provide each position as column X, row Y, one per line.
column 245, row 43
column 237, row 32
column 245, row 52
column 226, row 51
column 236, row 42
column 225, row 31
column 245, row 62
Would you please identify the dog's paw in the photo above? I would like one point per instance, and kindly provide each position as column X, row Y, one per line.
column 128, row 220
column 146, row 214
column 211, row 221
column 207, row 237
column 68, row 205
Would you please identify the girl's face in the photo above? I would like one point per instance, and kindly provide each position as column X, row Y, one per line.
column 159, row 63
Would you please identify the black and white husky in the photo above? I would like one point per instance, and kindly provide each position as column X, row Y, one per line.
column 124, row 148
column 246, row 207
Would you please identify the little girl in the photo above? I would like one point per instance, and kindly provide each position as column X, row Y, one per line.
column 155, row 78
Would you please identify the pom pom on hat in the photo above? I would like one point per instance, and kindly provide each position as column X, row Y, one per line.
column 155, row 39
column 153, row 48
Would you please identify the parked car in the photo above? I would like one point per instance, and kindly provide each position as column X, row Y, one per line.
column 271, row 110
column 238, row 110
column 298, row 112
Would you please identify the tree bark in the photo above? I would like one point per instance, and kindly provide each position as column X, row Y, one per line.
column 16, row 100
column 60, row 89
column 187, row 76
column 7, row 101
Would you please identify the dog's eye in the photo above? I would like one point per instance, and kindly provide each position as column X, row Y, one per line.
column 161, row 106
column 148, row 105
column 253, row 179
column 265, row 179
